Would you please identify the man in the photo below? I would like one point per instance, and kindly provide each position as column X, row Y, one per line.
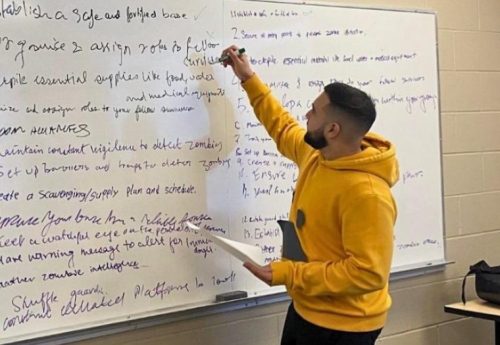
column 343, row 212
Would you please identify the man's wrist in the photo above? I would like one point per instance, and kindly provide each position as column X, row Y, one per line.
column 245, row 77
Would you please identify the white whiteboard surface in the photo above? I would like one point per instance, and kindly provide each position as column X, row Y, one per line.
column 115, row 129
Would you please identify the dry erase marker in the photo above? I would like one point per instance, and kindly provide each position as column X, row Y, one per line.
column 225, row 57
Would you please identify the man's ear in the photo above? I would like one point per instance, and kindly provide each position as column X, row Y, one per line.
column 332, row 130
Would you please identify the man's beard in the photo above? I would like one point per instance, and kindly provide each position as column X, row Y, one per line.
column 316, row 139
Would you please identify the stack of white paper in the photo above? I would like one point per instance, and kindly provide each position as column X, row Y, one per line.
column 242, row 251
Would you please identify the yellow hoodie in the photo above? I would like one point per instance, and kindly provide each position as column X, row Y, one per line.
column 348, row 231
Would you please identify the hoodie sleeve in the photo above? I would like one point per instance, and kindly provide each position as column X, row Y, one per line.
column 281, row 126
column 367, row 237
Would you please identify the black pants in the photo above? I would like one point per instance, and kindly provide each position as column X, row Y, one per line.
column 298, row 331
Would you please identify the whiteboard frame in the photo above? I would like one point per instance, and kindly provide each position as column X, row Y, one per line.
column 347, row 5
column 188, row 312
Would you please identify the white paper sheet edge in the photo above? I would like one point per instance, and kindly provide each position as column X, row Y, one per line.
column 242, row 251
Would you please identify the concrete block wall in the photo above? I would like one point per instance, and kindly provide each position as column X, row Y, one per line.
column 469, row 59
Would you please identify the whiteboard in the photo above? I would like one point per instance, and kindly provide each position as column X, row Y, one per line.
column 115, row 128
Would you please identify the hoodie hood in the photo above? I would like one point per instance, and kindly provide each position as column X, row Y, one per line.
column 378, row 158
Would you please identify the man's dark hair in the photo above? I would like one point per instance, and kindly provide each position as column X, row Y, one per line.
column 356, row 103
